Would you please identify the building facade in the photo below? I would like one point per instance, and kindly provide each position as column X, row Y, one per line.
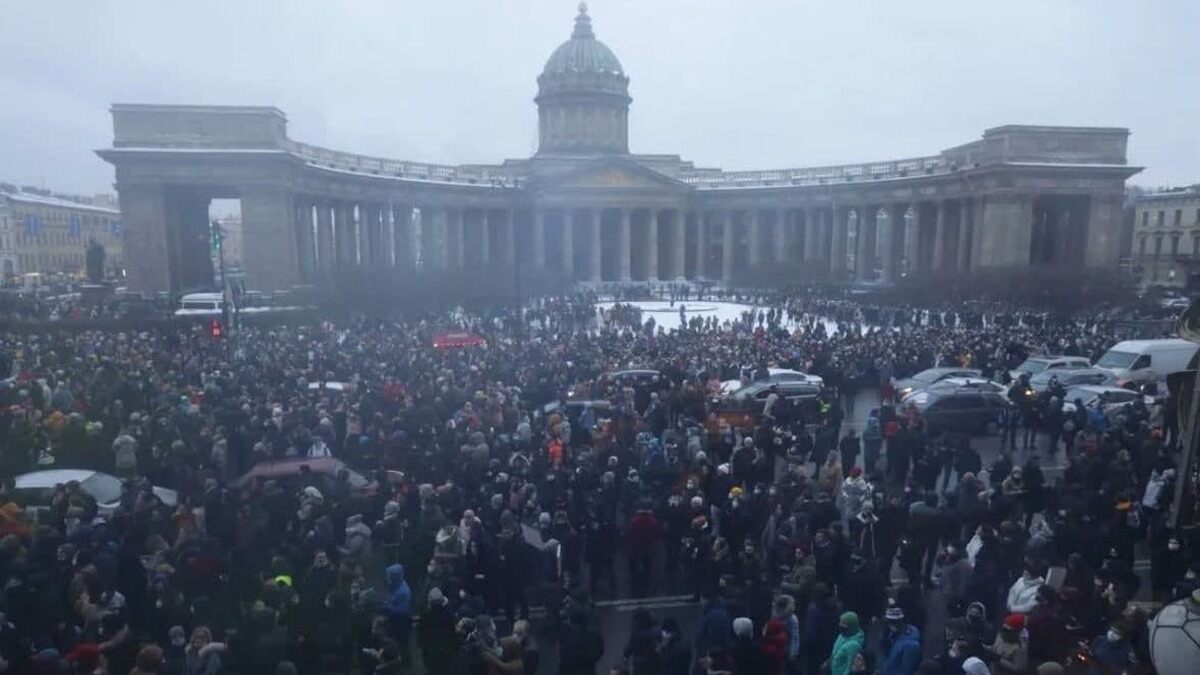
column 587, row 209
column 48, row 233
column 1166, row 238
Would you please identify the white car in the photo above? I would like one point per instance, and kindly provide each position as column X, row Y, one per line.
column 1109, row 399
column 774, row 375
column 968, row 383
column 37, row 490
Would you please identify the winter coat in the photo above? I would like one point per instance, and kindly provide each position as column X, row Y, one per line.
column 715, row 629
column 358, row 539
column 1022, row 596
column 399, row 606
column 903, row 652
column 844, row 650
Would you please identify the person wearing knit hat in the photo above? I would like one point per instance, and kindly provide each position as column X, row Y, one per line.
column 1008, row 652
column 1050, row 668
column 849, row 643
column 743, row 627
column 975, row 666
column 1014, row 622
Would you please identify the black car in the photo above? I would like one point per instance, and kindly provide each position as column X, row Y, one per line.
column 754, row 396
column 964, row 410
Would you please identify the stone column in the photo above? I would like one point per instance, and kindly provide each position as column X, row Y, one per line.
column 402, row 243
column 458, row 238
column 439, row 234
column 964, row 235
column 841, row 222
column 824, row 239
column 885, row 235
column 864, row 256
column 1102, row 231
column 539, row 238
column 268, row 238
column 624, row 273
column 369, row 217
column 912, row 241
column 939, row 237
column 812, row 227
column 510, row 237
column 1004, row 231
column 343, row 221
column 326, row 249
column 595, row 248
column 485, row 237
column 568, row 244
column 701, row 244
column 679, row 245
column 754, row 255
column 779, row 238
column 305, row 244
column 144, row 214
column 652, row 246
column 727, row 247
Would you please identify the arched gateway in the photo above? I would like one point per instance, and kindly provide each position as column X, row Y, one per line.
column 584, row 205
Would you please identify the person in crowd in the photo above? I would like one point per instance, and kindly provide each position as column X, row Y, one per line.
column 466, row 485
column 850, row 641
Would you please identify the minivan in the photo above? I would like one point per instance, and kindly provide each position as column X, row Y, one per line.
column 1147, row 360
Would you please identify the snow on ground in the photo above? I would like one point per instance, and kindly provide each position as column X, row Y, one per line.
column 667, row 316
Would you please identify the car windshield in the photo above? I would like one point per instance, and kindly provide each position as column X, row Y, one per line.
column 1116, row 359
column 928, row 375
column 103, row 488
column 1033, row 366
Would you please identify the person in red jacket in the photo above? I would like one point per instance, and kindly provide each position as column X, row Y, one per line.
column 643, row 532
column 775, row 646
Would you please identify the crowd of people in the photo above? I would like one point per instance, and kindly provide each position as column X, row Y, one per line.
column 440, row 494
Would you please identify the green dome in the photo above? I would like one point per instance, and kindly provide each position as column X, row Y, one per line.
column 583, row 53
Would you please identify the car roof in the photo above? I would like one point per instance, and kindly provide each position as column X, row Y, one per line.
column 289, row 467
column 965, row 381
column 51, row 477
column 1142, row 344
column 1055, row 357
column 1100, row 389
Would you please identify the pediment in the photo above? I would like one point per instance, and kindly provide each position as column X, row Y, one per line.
column 613, row 176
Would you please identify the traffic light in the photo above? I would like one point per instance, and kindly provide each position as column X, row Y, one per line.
column 216, row 329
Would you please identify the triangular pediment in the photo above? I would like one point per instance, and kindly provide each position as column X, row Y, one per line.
column 612, row 175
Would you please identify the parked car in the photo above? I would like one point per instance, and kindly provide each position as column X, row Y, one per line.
column 1072, row 378
column 37, row 490
column 754, row 396
column 774, row 375
column 324, row 470
column 962, row 410
column 1038, row 364
column 951, row 384
column 927, row 377
column 1108, row 399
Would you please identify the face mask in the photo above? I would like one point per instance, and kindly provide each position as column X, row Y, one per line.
column 1173, row 546
column 1113, row 636
column 177, row 642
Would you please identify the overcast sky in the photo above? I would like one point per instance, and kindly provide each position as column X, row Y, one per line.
column 733, row 83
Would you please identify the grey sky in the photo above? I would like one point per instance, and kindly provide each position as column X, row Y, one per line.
column 731, row 83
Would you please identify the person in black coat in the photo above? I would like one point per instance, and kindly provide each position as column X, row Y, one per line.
column 676, row 653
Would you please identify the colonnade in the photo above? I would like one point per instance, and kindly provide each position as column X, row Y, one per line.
column 604, row 242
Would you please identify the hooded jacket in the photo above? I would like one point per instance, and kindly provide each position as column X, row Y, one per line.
column 845, row 648
column 904, row 652
column 399, row 606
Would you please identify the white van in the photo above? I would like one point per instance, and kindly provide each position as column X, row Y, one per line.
column 1147, row 360
column 201, row 304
